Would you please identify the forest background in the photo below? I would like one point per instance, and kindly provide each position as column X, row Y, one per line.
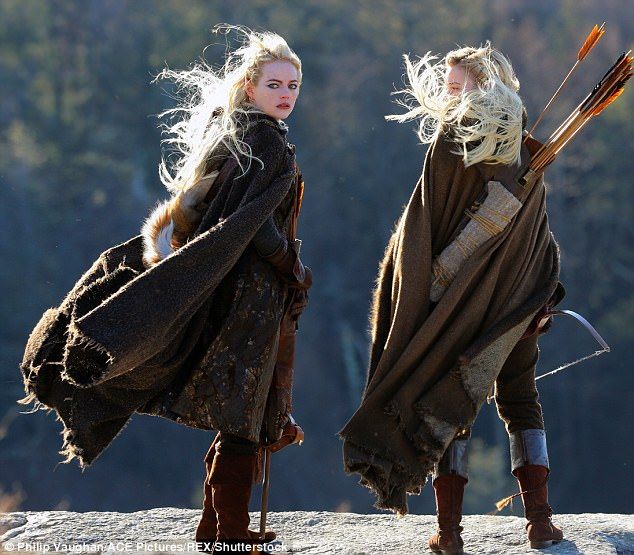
column 79, row 149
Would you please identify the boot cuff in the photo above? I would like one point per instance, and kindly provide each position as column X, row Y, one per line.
column 455, row 460
column 528, row 447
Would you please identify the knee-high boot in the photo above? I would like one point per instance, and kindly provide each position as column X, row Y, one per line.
column 529, row 459
column 450, row 478
column 231, row 479
column 208, row 525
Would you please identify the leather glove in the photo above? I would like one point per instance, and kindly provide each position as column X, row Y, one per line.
column 291, row 434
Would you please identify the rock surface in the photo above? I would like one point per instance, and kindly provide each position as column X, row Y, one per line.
column 169, row 530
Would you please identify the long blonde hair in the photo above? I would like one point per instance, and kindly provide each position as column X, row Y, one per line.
column 214, row 107
column 485, row 122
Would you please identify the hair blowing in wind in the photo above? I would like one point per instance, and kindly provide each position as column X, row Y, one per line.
column 213, row 106
column 485, row 122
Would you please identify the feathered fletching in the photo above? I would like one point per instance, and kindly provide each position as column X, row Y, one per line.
column 503, row 503
column 620, row 85
column 591, row 41
column 606, row 91
column 608, row 101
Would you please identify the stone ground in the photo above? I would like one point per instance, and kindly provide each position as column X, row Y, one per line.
column 168, row 530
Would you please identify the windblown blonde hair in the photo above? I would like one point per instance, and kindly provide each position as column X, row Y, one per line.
column 485, row 122
column 211, row 102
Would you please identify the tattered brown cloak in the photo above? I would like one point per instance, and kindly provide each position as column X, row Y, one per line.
column 432, row 365
column 192, row 338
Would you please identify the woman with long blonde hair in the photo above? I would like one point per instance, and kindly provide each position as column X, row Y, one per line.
column 229, row 136
column 474, row 93
column 463, row 292
column 194, row 319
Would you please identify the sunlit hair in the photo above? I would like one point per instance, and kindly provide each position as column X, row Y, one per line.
column 485, row 122
column 213, row 107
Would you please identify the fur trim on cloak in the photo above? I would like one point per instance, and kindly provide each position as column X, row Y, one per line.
column 171, row 223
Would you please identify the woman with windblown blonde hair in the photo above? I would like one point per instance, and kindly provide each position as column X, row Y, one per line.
column 194, row 319
column 463, row 292
column 473, row 92
column 231, row 144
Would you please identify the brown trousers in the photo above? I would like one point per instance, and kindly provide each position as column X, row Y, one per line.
column 516, row 395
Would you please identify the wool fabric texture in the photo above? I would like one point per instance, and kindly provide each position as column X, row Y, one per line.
column 129, row 339
column 432, row 366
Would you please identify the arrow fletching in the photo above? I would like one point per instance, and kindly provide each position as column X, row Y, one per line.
column 591, row 41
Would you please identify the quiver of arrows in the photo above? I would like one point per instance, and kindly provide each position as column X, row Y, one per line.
column 606, row 91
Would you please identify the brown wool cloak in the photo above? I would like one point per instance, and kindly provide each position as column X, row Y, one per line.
column 430, row 370
column 128, row 339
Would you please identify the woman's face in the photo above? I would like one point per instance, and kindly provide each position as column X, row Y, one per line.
column 458, row 80
column 276, row 90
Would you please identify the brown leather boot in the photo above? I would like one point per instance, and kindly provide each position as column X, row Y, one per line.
column 207, row 530
column 208, row 525
column 533, row 479
column 449, row 489
column 231, row 480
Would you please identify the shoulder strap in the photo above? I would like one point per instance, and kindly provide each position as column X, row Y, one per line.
column 228, row 166
column 299, row 196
